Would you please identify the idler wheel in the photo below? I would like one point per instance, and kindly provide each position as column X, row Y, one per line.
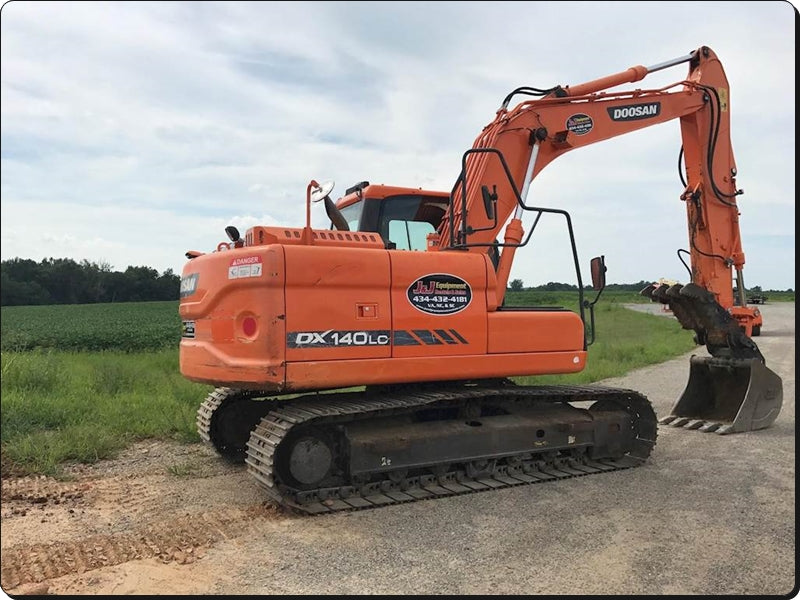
column 310, row 460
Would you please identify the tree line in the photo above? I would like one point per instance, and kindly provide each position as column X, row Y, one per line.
column 64, row 281
column 517, row 285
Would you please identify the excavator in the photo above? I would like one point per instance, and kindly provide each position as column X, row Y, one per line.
column 372, row 363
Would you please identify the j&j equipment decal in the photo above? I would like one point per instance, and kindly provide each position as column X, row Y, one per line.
column 580, row 124
column 439, row 294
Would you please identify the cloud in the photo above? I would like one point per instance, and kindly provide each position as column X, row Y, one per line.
column 132, row 132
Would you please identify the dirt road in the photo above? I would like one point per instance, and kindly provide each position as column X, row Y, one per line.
column 707, row 514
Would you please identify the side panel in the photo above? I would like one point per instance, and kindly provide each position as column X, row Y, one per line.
column 232, row 308
column 337, row 303
column 438, row 303
column 329, row 374
column 535, row 331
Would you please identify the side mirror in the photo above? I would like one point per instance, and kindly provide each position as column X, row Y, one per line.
column 322, row 191
column 598, row 268
column 489, row 200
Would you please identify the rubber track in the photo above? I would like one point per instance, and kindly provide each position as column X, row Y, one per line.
column 344, row 407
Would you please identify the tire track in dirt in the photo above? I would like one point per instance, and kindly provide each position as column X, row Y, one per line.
column 182, row 539
column 117, row 495
column 41, row 490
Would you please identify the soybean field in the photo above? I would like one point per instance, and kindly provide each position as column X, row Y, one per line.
column 128, row 326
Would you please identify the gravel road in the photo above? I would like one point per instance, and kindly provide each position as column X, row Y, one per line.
column 707, row 514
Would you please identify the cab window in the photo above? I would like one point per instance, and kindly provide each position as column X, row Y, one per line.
column 410, row 235
column 352, row 214
column 407, row 220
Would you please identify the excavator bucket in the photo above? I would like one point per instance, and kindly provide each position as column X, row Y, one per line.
column 725, row 395
column 730, row 391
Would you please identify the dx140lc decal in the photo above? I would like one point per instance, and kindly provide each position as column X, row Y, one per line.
column 333, row 338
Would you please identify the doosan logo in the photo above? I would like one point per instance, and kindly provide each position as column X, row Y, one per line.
column 633, row 112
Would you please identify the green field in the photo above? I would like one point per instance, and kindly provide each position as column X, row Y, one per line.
column 79, row 383
column 140, row 326
column 124, row 326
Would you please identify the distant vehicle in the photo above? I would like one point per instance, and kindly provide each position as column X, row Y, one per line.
column 756, row 299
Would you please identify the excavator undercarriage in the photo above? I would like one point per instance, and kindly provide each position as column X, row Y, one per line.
column 386, row 445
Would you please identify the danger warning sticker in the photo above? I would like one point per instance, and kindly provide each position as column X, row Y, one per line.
column 246, row 266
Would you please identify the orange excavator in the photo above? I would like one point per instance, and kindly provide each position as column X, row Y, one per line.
column 369, row 363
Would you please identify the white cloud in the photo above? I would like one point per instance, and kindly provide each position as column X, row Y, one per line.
column 132, row 132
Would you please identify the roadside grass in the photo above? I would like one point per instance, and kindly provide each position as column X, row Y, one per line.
column 61, row 406
column 67, row 404
column 625, row 340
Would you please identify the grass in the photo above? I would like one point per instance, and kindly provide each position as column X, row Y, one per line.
column 81, row 383
column 184, row 469
column 784, row 296
column 84, row 406
column 625, row 340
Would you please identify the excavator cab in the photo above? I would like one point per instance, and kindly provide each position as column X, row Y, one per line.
column 403, row 217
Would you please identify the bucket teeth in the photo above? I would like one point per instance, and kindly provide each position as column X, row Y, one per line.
column 660, row 293
column 648, row 291
column 674, row 290
column 710, row 427
column 699, row 424
column 681, row 307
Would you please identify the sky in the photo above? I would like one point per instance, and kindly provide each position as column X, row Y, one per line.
column 133, row 132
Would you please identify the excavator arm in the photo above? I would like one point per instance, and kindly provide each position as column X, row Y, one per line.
column 512, row 150
column 534, row 133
